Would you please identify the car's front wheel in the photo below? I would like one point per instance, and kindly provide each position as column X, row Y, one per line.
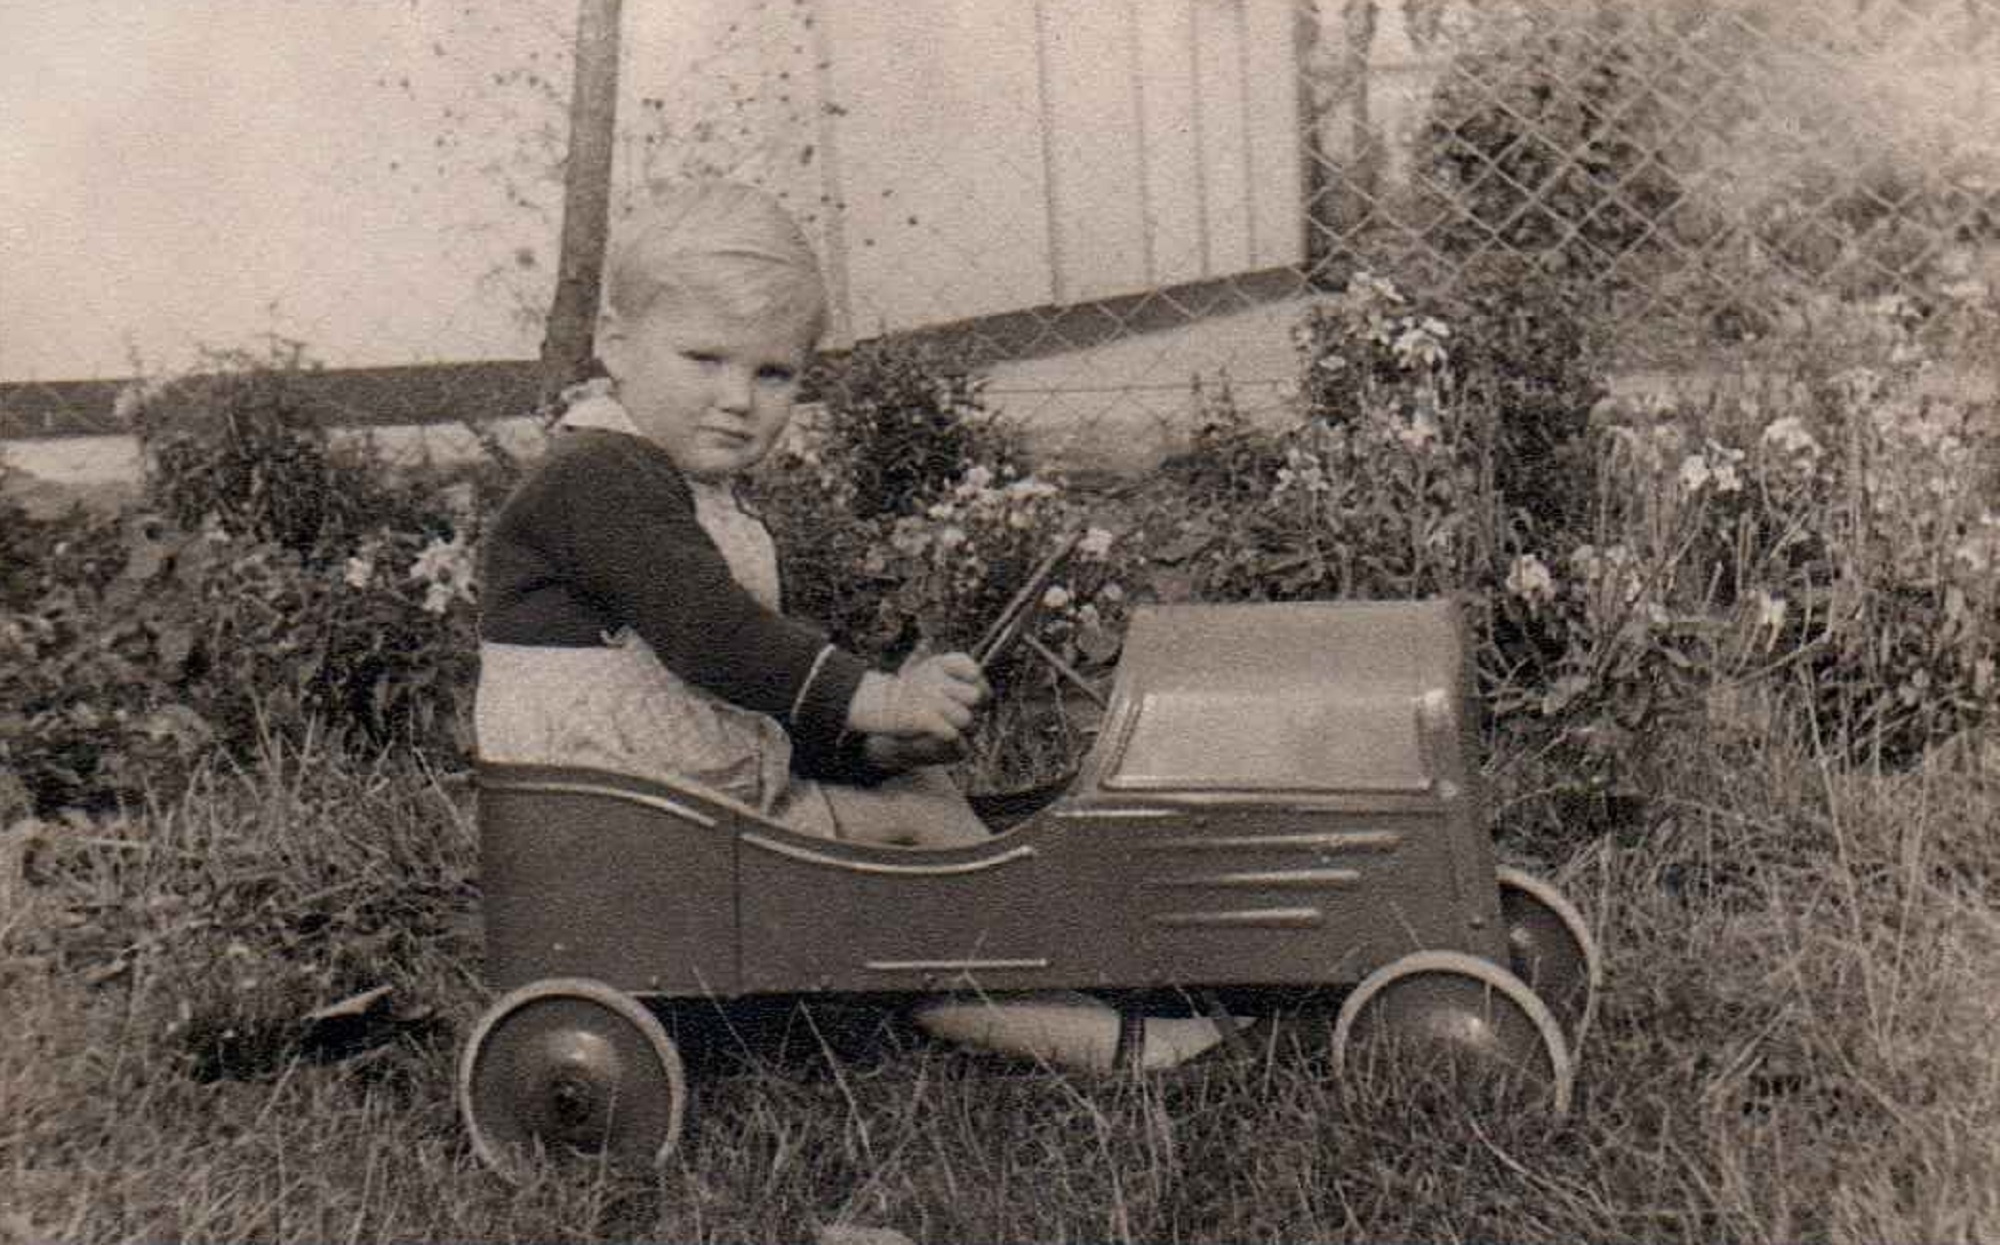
column 1452, row 1018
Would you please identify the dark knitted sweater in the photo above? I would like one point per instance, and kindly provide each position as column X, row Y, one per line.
column 603, row 536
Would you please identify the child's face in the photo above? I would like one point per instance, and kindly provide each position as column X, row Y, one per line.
column 713, row 390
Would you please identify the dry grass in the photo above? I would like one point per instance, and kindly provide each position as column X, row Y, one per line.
column 1795, row 1045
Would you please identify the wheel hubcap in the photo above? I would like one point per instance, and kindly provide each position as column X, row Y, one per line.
column 571, row 1066
column 583, row 1073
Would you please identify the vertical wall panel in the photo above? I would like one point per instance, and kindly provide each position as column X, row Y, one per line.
column 1173, row 167
column 1218, row 69
column 944, row 199
column 1272, row 133
column 1096, row 171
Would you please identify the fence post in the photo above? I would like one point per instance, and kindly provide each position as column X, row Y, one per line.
column 567, row 338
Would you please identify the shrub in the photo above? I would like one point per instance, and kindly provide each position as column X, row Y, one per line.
column 1833, row 553
column 268, row 582
column 899, row 424
column 82, row 719
column 332, row 587
column 237, row 446
column 1418, row 458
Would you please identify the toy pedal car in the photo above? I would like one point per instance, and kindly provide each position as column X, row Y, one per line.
column 1282, row 805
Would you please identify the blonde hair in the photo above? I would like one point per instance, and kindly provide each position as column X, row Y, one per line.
column 716, row 244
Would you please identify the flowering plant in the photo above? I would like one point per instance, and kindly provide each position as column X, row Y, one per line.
column 956, row 565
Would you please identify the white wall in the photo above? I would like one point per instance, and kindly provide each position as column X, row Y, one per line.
column 961, row 158
column 1058, row 151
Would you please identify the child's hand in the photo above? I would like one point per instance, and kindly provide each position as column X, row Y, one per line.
column 932, row 698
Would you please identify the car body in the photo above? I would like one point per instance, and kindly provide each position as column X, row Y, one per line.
column 1280, row 795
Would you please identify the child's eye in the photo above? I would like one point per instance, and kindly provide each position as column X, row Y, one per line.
column 706, row 358
column 777, row 374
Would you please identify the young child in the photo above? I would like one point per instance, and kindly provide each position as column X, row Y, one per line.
column 630, row 606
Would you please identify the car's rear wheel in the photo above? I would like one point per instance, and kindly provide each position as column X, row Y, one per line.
column 1454, row 1019
column 1551, row 949
column 570, row 1067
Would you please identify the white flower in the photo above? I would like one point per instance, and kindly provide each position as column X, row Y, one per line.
column 1365, row 282
column 1420, row 344
column 951, row 537
column 1790, row 436
column 1301, row 470
column 1976, row 552
column 1529, row 579
column 360, row 572
column 439, row 560
column 1771, row 611
column 1056, row 598
column 1715, row 467
column 909, row 536
column 1096, row 544
column 446, row 566
column 1726, row 479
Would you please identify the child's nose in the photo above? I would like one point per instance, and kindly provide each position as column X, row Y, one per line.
column 732, row 388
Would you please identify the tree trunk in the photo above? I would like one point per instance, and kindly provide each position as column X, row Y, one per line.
column 593, row 116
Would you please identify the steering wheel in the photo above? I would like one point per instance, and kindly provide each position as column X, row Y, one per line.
column 1012, row 624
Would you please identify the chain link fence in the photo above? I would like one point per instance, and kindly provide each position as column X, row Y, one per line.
column 1715, row 171
column 1112, row 208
